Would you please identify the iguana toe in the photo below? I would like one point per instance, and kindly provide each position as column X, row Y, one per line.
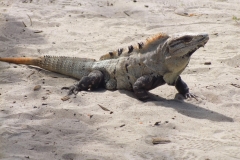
column 190, row 95
column 72, row 90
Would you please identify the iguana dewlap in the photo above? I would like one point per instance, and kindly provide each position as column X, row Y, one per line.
column 139, row 68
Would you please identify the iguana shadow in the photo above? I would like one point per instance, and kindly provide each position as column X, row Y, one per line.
column 194, row 111
column 185, row 108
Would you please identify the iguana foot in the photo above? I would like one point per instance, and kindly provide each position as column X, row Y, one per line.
column 146, row 83
column 190, row 95
column 92, row 81
column 183, row 89
column 72, row 90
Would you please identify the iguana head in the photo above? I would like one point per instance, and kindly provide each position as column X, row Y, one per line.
column 177, row 50
column 184, row 44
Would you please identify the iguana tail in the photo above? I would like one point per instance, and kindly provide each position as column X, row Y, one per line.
column 22, row 60
column 71, row 66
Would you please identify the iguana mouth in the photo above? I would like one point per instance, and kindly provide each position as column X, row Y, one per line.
column 189, row 53
column 192, row 51
column 203, row 39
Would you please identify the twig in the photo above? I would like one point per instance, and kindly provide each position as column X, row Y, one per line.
column 103, row 108
column 207, row 63
column 24, row 24
column 159, row 140
column 30, row 19
column 126, row 13
column 31, row 74
column 37, row 31
column 122, row 125
column 235, row 85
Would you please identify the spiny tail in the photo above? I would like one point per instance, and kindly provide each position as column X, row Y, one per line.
column 141, row 47
column 71, row 66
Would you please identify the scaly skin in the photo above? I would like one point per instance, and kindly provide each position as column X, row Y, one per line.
column 147, row 65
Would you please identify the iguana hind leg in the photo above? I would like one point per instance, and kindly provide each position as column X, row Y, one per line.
column 183, row 89
column 92, row 81
column 146, row 83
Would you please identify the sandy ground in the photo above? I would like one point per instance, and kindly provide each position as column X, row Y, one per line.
column 39, row 125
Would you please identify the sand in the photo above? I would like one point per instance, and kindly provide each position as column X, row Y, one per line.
column 39, row 125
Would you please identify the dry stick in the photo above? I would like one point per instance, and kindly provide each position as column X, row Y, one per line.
column 37, row 31
column 31, row 74
column 103, row 108
column 122, row 125
column 24, row 24
column 30, row 19
column 126, row 13
column 159, row 140
column 235, row 85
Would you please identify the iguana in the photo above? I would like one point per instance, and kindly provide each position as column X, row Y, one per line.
column 138, row 68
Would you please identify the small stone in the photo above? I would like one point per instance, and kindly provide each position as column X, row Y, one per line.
column 37, row 88
column 65, row 98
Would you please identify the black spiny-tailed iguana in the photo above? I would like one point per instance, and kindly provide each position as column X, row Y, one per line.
column 139, row 68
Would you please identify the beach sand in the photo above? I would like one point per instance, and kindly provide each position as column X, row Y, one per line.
column 38, row 125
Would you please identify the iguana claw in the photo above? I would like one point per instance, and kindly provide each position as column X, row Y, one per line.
column 72, row 90
column 190, row 95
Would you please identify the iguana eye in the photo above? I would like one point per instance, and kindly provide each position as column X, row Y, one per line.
column 186, row 38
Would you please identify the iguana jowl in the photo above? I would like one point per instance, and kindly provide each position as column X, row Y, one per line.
column 147, row 65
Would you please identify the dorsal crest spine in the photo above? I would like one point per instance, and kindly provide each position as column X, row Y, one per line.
column 131, row 49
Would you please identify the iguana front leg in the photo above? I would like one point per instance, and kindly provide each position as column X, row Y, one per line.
column 146, row 83
column 92, row 81
column 183, row 89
